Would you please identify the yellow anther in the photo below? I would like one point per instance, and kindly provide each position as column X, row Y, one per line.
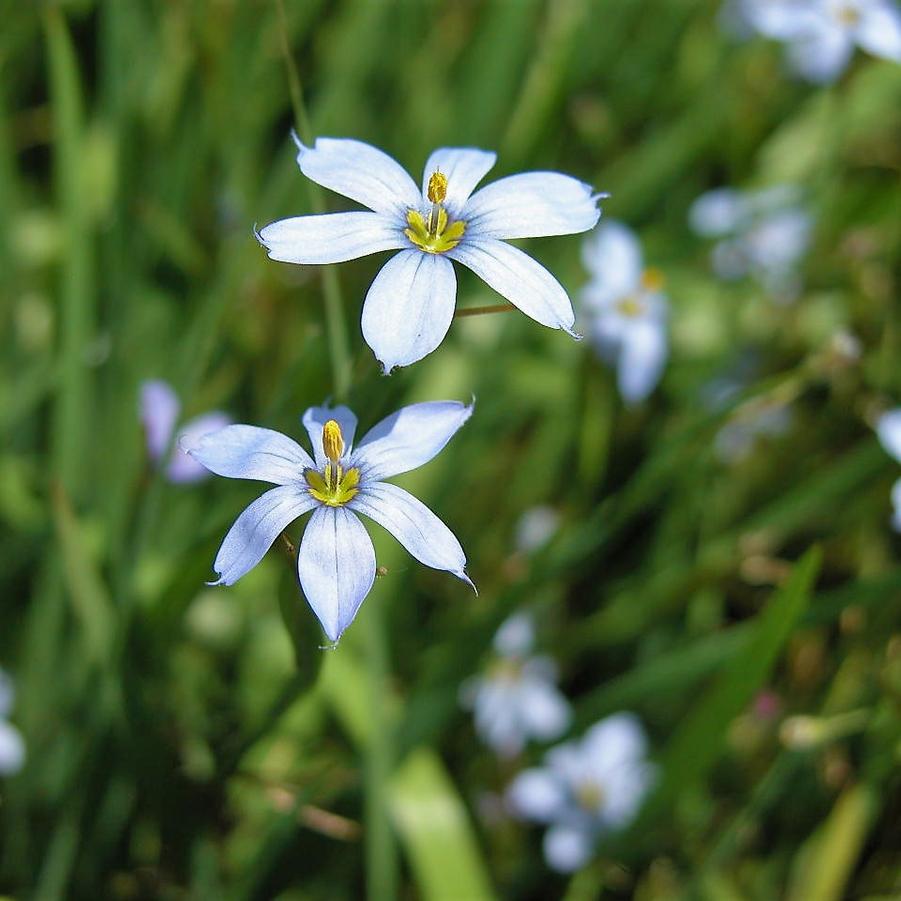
column 333, row 488
column 848, row 15
column 332, row 441
column 590, row 796
column 652, row 280
column 631, row 306
column 437, row 187
column 446, row 235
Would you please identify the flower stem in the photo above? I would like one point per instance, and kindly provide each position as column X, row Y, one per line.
column 336, row 327
column 481, row 311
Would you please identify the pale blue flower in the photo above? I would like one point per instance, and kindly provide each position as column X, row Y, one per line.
column 586, row 789
column 410, row 305
column 736, row 440
column 12, row 747
column 888, row 429
column 336, row 558
column 821, row 34
column 159, row 409
column 764, row 234
column 535, row 528
column 517, row 699
column 627, row 309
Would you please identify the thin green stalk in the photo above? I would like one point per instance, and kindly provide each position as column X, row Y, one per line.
column 336, row 327
column 381, row 854
column 76, row 313
column 481, row 311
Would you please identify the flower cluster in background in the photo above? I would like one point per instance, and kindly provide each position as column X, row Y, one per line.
column 763, row 234
column 821, row 35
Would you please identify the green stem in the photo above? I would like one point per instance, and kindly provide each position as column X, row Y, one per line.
column 381, row 855
column 481, row 311
column 336, row 327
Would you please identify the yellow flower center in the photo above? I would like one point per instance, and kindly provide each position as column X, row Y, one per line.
column 848, row 15
column 590, row 796
column 652, row 280
column 334, row 486
column 434, row 233
column 631, row 306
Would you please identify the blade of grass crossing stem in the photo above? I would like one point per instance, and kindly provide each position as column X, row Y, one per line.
column 828, row 857
column 433, row 823
column 695, row 747
column 71, row 414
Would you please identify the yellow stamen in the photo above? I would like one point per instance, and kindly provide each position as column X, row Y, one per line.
column 437, row 187
column 631, row 306
column 435, row 236
column 652, row 280
column 335, row 487
column 332, row 441
column 590, row 796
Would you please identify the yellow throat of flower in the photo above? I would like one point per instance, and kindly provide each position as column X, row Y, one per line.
column 334, row 486
column 434, row 233
column 590, row 796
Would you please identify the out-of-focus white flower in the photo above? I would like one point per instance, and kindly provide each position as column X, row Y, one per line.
column 737, row 438
column 821, row 34
column 535, row 528
column 586, row 789
column 159, row 409
column 888, row 430
column 517, row 699
column 12, row 747
column 627, row 308
column 763, row 234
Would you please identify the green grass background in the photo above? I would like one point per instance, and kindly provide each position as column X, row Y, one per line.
column 186, row 742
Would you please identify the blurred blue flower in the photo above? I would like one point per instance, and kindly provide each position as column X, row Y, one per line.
column 736, row 440
column 888, row 429
column 586, row 789
column 822, row 34
column 627, row 308
column 12, row 747
column 517, row 699
column 336, row 558
column 410, row 304
column 159, row 409
column 764, row 234
column 535, row 528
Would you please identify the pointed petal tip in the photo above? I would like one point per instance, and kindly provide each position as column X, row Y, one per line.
column 219, row 581
column 465, row 578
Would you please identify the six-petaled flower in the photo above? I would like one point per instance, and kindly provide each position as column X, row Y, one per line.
column 585, row 789
column 517, row 698
column 627, row 308
column 410, row 304
column 336, row 559
column 821, row 34
column 763, row 233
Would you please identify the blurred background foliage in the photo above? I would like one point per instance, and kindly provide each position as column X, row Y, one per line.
column 186, row 742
